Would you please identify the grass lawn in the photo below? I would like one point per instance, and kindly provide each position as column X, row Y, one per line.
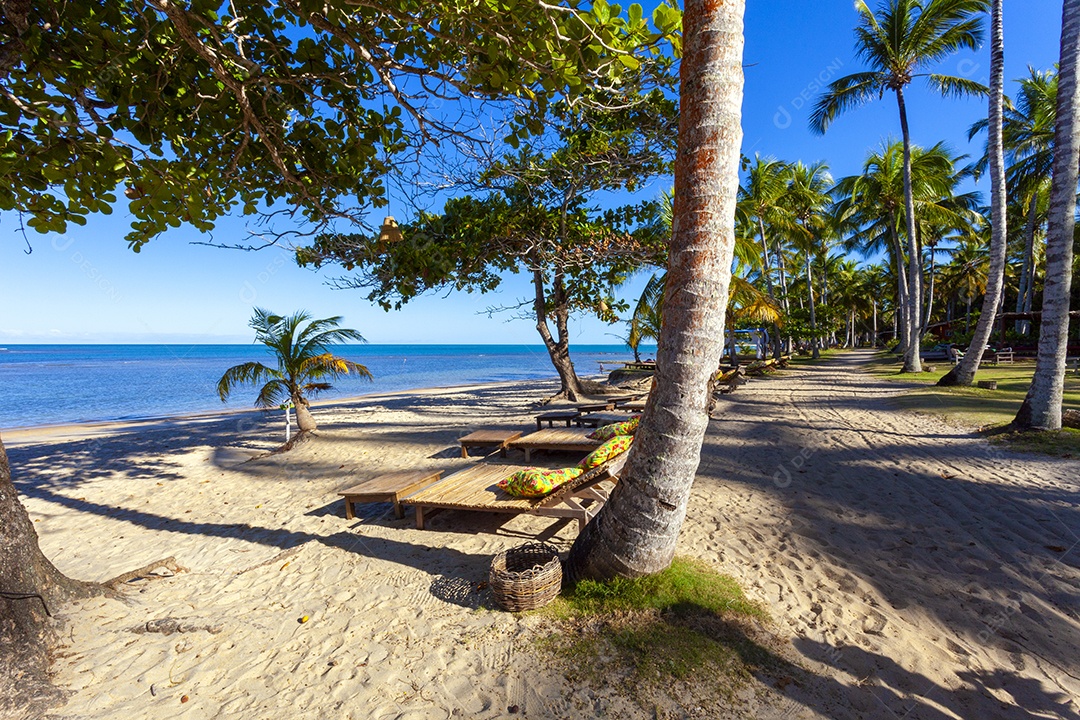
column 685, row 633
column 990, row 410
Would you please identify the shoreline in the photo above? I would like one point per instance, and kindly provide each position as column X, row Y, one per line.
column 34, row 434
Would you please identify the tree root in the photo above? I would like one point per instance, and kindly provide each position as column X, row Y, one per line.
column 145, row 572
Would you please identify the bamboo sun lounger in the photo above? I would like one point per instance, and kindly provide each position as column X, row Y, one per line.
column 558, row 439
column 476, row 488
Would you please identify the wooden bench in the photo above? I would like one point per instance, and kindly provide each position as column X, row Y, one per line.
column 390, row 487
column 594, row 420
column 556, row 440
column 593, row 407
column 488, row 438
column 476, row 488
column 1003, row 356
column 1075, row 362
column 555, row 416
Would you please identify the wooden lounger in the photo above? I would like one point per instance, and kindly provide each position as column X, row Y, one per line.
column 476, row 488
column 560, row 439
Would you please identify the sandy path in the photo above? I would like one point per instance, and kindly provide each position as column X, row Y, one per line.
column 920, row 572
column 930, row 573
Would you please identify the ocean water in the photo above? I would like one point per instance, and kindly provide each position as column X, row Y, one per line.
column 50, row 384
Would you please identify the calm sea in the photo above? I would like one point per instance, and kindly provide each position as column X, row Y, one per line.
column 48, row 384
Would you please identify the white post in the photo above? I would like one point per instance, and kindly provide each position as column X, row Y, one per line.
column 288, row 424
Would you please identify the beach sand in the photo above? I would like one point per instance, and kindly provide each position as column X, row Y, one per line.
column 912, row 569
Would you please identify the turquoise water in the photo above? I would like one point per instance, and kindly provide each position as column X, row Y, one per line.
column 48, row 384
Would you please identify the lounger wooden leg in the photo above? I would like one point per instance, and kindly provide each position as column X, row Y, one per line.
column 419, row 518
column 528, row 454
column 399, row 512
column 539, row 424
column 464, row 451
column 349, row 514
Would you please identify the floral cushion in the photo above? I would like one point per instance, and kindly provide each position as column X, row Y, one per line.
column 537, row 482
column 611, row 448
column 627, row 427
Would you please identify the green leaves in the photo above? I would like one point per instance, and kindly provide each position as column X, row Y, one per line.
column 279, row 106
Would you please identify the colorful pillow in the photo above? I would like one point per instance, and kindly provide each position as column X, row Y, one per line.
column 627, row 427
column 611, row 448
column 537, row 482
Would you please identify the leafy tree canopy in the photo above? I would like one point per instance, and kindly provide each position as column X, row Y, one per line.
column 533, row 214
column 199, row 108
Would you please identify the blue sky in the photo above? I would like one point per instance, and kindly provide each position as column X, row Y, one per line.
column 86, row 286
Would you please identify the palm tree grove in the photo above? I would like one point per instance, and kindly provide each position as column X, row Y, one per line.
column 830, row 468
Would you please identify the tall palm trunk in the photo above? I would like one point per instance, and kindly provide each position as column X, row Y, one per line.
column 1042, row 406
column 1027, row 273
column 901, row 320
column 813, row 311
column 929, row 293
column 912, row 360
column 767, row 264
column 636, row 531
column 963, row 373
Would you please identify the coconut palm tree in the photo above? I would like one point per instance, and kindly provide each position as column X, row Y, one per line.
column 1041, row 409
column 872, row 202
column 899, row 42
column 964, row 371
column 807, row 198
column 1028, row 140
column 966, row 276
column 636, row 531
column 304, row 361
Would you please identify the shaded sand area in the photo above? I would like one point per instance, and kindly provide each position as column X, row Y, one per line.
column 917, row 571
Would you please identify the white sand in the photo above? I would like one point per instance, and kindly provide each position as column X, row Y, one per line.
column 918, row 571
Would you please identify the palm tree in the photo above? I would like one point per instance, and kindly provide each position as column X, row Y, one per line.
column 903, row 38
column 304, row 361
column 636, row 531
column 871, row 202
column 964, row 371
column 1028, row 139
column 1041, row 409
column 807, row 198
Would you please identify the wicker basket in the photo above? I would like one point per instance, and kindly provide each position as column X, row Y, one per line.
column 526, row 577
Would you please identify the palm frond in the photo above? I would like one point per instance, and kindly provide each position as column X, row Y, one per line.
column 250, row 373
column 951, row 86
column 845, row 94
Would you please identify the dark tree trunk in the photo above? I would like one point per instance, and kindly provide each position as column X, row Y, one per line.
column 571, row 388
column 1041, row 409
column 29, row 584
column 636, row 531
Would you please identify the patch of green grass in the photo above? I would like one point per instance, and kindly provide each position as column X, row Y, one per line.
column 687, row 585
column 687, row 630
column 991, row 410
column 1059, row 443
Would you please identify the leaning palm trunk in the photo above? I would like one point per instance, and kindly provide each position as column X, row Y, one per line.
column 964, row 372
column 1042, row 406
column 304, row 419
column 636, row 531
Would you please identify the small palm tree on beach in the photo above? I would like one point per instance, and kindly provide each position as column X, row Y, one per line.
column 304, row 361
